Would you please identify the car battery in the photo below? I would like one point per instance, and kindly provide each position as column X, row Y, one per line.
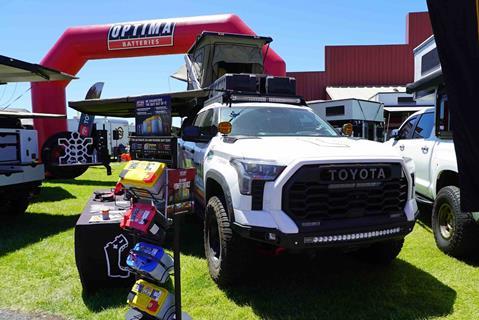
column 150, row 261
column 146, row 178
column 152, row 299
column 143, row 218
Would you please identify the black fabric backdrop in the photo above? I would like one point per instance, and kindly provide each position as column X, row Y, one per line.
column 455, row 26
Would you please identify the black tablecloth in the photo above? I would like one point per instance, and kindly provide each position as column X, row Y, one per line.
column 101, row 248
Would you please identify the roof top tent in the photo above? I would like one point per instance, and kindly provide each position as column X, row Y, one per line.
column 215, row 54
column 429, row 84
column 366, row 116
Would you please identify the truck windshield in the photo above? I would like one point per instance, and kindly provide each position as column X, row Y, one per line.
column 275, row 121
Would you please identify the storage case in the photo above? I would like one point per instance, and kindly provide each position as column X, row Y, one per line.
column 150, row 261
column 145, row 175
column 145, row 219
column 151, row 299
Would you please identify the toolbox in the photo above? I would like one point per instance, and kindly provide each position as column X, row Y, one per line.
column 151, row 262
column 151, row 299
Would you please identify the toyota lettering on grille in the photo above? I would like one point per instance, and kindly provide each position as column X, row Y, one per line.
column 354, row 174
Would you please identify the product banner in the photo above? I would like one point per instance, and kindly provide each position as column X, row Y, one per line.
column 455, row 25
column 153, row 116
column 85, row 125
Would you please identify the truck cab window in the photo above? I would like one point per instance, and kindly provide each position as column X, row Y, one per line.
column 206, row 121
column 407, row 129
column 424, row 126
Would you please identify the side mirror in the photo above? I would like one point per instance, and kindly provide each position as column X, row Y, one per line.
column 347, row 129
column 191, row 133
column 394, row 134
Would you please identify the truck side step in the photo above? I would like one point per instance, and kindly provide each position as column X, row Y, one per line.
column 423, row 200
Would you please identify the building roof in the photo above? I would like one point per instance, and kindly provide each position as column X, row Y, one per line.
column 365, row 93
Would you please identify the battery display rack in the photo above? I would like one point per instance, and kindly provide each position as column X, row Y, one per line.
column 160, row 194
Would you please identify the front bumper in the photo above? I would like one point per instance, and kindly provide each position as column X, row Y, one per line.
column 341, row 237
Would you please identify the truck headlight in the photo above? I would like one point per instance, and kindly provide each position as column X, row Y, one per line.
column 249, row 170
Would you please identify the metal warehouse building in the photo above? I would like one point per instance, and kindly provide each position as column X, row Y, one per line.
column 366, row 65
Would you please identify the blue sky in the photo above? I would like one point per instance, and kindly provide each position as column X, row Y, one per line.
column 300, row 30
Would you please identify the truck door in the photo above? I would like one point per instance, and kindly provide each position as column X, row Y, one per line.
column 194, row 152
column 421, row 151
column 403, row 143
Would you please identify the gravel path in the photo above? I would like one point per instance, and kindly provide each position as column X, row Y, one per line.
column 17, row 315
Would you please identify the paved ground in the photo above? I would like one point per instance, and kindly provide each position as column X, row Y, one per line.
column 16, row 315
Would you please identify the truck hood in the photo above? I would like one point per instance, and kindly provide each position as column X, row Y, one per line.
column 284, row 150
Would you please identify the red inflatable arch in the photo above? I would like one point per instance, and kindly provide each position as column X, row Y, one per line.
column 77, row 45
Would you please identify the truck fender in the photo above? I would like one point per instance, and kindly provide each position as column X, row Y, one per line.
column 218, row 178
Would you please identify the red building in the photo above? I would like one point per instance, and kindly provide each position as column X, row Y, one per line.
column 366, row 65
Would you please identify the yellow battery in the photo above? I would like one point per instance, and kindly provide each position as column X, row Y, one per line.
column 152, row 299
column 144, row 175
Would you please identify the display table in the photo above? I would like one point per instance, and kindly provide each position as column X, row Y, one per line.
column 101, row 246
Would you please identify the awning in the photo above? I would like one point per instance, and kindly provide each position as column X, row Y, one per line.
column 432, row 80
column 364, row 93
column 182, row 103
column 13, row 70
column 404, row 109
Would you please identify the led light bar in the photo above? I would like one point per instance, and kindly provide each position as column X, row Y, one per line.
column 351, row 236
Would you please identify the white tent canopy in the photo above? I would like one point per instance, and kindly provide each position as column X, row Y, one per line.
column 364, row 93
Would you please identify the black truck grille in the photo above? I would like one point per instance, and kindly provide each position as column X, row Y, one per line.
column 308, row 196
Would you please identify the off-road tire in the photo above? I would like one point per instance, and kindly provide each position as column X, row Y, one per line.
column 464, row 236
column 381, row 253
column 228, row 265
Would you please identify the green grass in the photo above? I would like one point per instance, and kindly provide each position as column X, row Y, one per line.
column 38, row 273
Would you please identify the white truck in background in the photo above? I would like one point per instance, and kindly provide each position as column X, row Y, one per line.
column 426, row 138
column 456, row 232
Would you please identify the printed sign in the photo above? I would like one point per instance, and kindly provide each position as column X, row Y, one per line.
column 86, row 124
column 141, row 35
column 153, row 116
column 115, row 255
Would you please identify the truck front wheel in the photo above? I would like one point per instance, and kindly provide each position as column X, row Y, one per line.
column 225, row 252
column 455, row 232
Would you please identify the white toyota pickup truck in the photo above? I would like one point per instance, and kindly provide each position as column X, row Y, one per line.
column 284, row 179
column 456, row 232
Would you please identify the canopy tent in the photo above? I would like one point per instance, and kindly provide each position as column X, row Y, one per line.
column 182, row 104
column 404, row 109
column 13, row 70
column 364, row 93
column 215, row 54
